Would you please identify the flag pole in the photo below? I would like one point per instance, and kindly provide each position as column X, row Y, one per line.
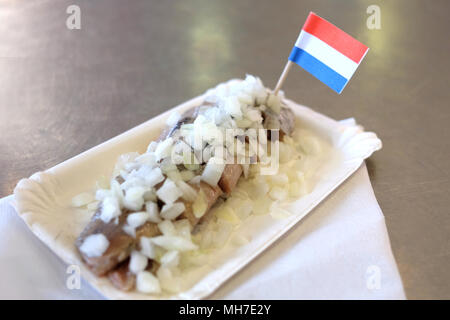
column 283, row 77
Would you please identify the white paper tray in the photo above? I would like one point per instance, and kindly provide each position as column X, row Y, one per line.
column 43, row 200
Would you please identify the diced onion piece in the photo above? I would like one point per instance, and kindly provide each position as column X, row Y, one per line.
column 152, row 146
column 153, row 211
column 93, row 206
column 223, row 234
column 172, row 210
column 82, row 199
column 155, row 176
column 200, row 205
column 174, row 243
column 147, row 158
column 174, row 175
column 186, row 175
column 173, row 119
column 278, row 193
column 147, row 283
column 189, row 193
column 226, row 213
column 195, row 180
column 138, row 262
column 169, row 192
column 274, row 103
column 170, row 259
column 164, row 148
column 129, row 230
column 244, row 209
column 116, row 191
column 254, row 115
column 233, row 107
column 213, row 171
column 101, row 194
column 262, row 205
column 110, row 209
column 278, row 213
column 167, row 228
column 286, row 152
column 167, row 281
column 183, row 228
column 94, row 245
column 134, row 198
column 150, row 195
column 239, row 240
column 147, row 247
column 279, row 179
column 295, row 189
column 137, row 219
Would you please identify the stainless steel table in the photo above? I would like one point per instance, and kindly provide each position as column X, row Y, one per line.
column 63, row 91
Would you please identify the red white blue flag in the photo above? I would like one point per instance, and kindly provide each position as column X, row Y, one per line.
column 327, row 52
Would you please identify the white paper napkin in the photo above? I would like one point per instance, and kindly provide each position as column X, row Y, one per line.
column 341, row 250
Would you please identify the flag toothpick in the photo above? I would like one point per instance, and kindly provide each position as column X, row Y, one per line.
column 283, row 77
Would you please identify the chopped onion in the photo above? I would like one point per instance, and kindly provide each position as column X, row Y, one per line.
column 134, row 198
column 278, row 193
column 147, row 158
column 227, row 214
column 223, row 234
column 239, row 240
column 172, row 210
column 101, row 194
column 110, row 209
column 279, row 179
column 147, row 283
column 167, row 281
column 116, row 191
column 153, row 211
column 195, row 180
column 138, row 262
column 279, row 213
column 261, row 206
column 150, row 195
column 174, row 243
column 232, row 106
column 173, row 119
column 82, row 199
column 164, row 148
column 129, row 230
column 170, row 259
column 154, row 177
column 213, row 171
column 94, row 245
column 200, row 205
column 183, row 228
column 167, row 228
column 244, row 209
column 274, row 103
column 189, row 193
column 152, row 147
column 137, row 219
column 174, row 175
column 169, row 192
column 147, row 247
column 186, row 175
column 93, row 206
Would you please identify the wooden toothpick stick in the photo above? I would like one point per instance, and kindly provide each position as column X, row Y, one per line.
column 283, row 77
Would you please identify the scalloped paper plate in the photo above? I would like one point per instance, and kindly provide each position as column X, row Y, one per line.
column 43, row 200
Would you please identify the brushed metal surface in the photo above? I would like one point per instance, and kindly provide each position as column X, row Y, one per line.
column 64, row 91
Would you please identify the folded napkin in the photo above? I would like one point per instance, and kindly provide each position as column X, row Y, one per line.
column 340, row 250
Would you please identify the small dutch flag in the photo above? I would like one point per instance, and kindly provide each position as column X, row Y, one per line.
column 327, row 52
